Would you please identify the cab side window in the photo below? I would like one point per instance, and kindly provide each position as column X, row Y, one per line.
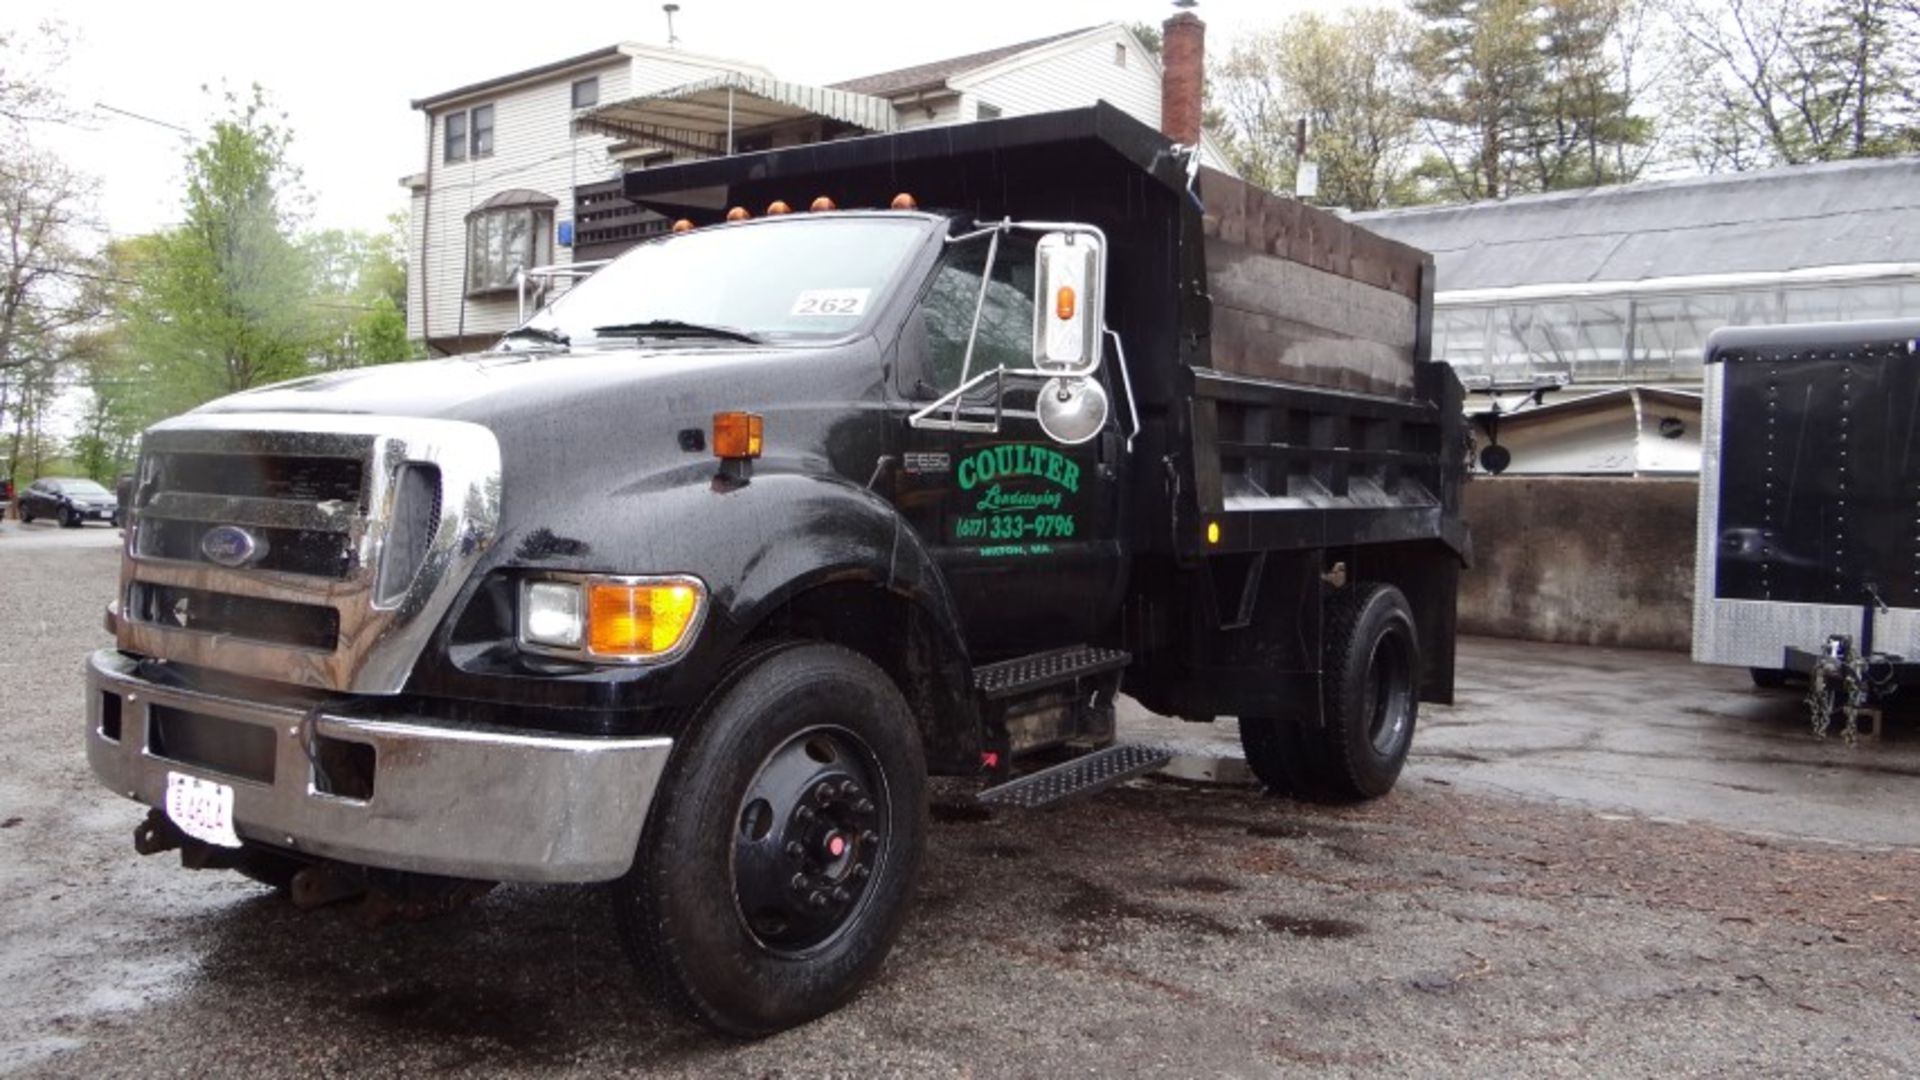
column 1006, row 319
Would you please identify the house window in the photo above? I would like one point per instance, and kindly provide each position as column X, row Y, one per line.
column 457, row 136
column 482, row 126
column 1119, row 54
column 510, row 232
column 985, row 111
column 586, row 92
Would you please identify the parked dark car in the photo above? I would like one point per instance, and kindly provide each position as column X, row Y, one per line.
column 71, row 502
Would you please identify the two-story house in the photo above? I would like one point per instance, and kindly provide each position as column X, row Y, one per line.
column 503, row 158
column 548, row 190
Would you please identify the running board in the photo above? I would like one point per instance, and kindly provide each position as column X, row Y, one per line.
column 1056, row 667
column 1084, row 775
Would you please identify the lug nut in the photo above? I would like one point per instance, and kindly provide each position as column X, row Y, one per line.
column 823, row 792
column 816, row 899
column 864, row 806
column 847, row 788
column 799, row 883
column 868, row 836
column 863, row 872
column 795, row 849
column 804, row 814
column 841, row 895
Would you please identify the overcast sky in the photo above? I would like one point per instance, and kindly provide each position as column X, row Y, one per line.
column 345, row 70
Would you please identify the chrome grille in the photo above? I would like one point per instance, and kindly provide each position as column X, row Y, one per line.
column 354, row 532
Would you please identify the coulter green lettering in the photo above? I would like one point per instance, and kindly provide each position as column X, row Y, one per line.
column 1018, row 459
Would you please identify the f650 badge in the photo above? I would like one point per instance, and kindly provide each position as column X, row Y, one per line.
column 231, row 546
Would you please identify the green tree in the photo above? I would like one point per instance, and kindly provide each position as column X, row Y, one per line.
column 361, row 294
column 1525, row 95
column 1347, row 77
column 222, row 301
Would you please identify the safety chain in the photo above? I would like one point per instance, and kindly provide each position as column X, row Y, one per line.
column 1841, row 663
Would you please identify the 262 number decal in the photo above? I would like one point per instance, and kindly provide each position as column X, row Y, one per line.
column 835, row 303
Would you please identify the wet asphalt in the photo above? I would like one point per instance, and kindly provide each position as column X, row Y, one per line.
column 1599, row 863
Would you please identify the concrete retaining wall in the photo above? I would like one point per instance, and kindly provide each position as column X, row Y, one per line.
column 1581, row 560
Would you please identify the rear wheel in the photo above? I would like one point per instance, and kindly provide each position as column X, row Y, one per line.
column 781, row 850
column 1354, row 746
column 26, row 516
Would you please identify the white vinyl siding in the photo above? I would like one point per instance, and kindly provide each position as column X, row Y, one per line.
column 1071, row 75
column 533, row 147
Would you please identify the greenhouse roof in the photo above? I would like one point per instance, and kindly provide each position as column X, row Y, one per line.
column 1800, row 217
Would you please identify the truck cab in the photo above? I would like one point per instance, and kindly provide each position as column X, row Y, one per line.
column 690, row 583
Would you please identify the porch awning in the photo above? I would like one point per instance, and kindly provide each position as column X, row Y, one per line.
column 699, row 116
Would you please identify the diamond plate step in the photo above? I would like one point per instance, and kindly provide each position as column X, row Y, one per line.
column 1011, row 678
column 1084, row 775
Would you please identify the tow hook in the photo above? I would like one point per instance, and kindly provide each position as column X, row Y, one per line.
column 156, row 834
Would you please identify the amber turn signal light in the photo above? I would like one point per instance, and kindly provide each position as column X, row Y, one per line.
column 736, row 435
column 639, row 620
column 1063, row 303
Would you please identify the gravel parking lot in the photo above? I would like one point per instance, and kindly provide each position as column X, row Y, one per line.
column 1600, row 862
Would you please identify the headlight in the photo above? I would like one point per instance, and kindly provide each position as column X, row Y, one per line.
column 618, row 619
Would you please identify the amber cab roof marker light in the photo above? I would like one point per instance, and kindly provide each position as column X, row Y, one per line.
column 822, row 203
column 904, row 201
column 778, row 206
column 738, row 213
column 683, row 225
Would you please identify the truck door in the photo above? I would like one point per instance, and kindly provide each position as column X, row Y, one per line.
column 1026, row 529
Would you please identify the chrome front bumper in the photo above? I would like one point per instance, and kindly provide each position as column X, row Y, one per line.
column 485, row 803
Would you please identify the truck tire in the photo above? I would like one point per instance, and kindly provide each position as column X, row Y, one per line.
column 1769, row 678
column 1357, row 743
column 780, row 854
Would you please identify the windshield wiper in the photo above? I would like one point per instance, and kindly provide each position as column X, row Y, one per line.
column 674, row 328
column 539, row 333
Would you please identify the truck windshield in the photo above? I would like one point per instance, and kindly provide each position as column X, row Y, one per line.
column 795, row 279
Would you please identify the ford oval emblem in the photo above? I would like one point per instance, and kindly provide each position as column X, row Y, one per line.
column 230, row 546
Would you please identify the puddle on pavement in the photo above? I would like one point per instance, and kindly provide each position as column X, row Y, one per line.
column 1202, row 883
column 1298, row 926
column 1099, row 911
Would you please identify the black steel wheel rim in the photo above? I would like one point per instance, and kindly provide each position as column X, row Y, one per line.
column 809, row 840
column 1388, row 694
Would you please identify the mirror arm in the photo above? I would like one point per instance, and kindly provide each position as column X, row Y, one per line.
column 973, row 333
column 1126, row 381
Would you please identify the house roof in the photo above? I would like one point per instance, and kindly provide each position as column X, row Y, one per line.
column 587, row 59
column 936, row 73
column 1796, row 218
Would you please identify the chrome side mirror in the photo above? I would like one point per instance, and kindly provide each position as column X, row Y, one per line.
column 1067, row 315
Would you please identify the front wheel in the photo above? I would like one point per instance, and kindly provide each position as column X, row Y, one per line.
column 776, row 864
column 1353, row 746
column 70, row 518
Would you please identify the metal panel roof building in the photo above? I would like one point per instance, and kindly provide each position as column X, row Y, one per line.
column 1607, row 288
column 1847, row 213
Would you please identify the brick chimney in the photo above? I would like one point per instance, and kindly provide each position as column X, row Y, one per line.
column 1183, row 60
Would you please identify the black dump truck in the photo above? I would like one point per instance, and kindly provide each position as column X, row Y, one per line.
column 691, row 582
column 1808, row 554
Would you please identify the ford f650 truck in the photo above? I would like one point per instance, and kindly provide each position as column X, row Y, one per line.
column 690, row 583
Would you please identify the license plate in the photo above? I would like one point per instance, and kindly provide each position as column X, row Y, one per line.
column 202, row 808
